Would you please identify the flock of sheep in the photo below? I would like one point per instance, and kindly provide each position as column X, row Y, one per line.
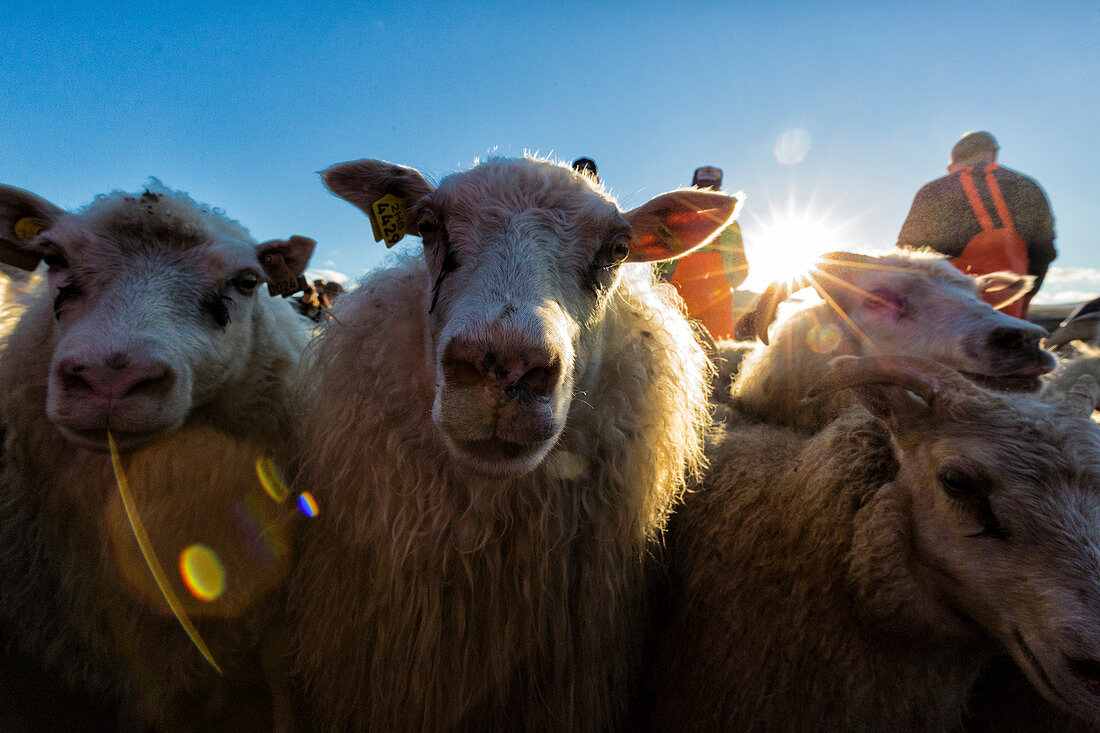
column 506, row 486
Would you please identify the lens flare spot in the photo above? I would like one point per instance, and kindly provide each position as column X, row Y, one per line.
column 567, row 465
column 823, row 338
column 307, row 504
column 270, row 479
column 792, row 146
column 202, row 572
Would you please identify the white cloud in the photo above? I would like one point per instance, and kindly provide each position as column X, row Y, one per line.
column 1090, row 275
column 1069, row 285
column 332, row 275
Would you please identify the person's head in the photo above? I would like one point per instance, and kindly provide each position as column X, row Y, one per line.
column 586, row 165
column 707, row 176
column 973, row 148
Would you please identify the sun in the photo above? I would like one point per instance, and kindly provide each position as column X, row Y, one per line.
column 787, row 245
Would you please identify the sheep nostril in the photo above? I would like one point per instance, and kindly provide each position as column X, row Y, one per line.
column 1012, row 339
column 73, row 378
column 542, row 380
column 460, row 372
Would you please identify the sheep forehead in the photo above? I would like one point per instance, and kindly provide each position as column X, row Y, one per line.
column 1030, row 449
column 499, row 187
column 921, row 277
column 120, row 233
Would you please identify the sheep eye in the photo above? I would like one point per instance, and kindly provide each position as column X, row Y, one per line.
column 55, row 260
column 620, row 247
column 957, row 484
column 246, row 282
column 428, row 224
column 217, row 306
column 65, row 293
column 614, row 252
column 885, row 301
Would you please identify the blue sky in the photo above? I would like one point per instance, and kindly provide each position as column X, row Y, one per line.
column 241, row 106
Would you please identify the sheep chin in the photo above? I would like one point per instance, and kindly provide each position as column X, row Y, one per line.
column 499, row 458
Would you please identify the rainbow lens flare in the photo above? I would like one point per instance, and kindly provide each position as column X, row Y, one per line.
column 202, row 572
column 823, row 338
column 270, row 479
column 307, row 504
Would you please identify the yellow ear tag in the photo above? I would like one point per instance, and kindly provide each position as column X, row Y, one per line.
column 26, row 228
column 388, row 219
column 671, row 240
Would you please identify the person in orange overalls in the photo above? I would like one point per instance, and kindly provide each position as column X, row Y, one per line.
column 707, row 277
column 985, row 217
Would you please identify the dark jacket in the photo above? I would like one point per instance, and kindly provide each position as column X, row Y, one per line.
column 941, row 216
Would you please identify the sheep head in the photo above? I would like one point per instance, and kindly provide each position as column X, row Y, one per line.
column 991, row 527
column 523, row 257
column 153, row 299
column 1083, row 324
column 920, row 306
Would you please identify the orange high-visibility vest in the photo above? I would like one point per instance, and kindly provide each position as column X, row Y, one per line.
column 707, row 278
column 994, row 249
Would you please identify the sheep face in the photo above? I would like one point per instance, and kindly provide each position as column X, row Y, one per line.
column 153, row 303
column 523, row 257
column 995, row 515
column 925, row 307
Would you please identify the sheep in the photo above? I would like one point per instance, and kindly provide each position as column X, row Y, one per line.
column 900, row 303
column 858, row 578
column 495, row 433
column 1079, row 325
column 148, row 327
column 1076, row 341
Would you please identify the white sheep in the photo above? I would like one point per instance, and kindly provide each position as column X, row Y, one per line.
column 857, row 579
column 150, row 324
column 903, row 303
column 497, row 432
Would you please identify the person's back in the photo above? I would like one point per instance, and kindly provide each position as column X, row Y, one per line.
column 706, row 279
column 973, row 214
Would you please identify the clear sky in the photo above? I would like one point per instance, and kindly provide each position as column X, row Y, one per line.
column 241, row 106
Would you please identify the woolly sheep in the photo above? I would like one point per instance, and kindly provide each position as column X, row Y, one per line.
column 858, row 578
column 495, row 435
column 903, row 303
column 148, row 323
column 1076, row 340
column 1083, row 324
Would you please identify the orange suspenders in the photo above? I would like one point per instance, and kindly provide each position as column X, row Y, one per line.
column 984, row 218
column 995, row 248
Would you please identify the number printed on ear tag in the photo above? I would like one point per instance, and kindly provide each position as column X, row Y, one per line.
column 388, row 219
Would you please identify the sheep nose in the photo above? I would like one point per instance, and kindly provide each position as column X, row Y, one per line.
column 511, row 362
column 1016, row 338
column 117, row 378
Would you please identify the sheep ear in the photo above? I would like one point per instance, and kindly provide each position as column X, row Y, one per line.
column 673, row 224
column 894, row 405
column 1001, row 289
column 284, row 262
column 22, row 217
column 363, row 183
column 1081, row 329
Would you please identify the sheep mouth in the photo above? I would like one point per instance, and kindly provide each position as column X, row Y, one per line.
column 1026, row 380
column 501, row 458
column 499, row 450
column 96, row 439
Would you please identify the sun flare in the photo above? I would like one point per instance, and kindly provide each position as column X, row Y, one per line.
column 787, row 245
